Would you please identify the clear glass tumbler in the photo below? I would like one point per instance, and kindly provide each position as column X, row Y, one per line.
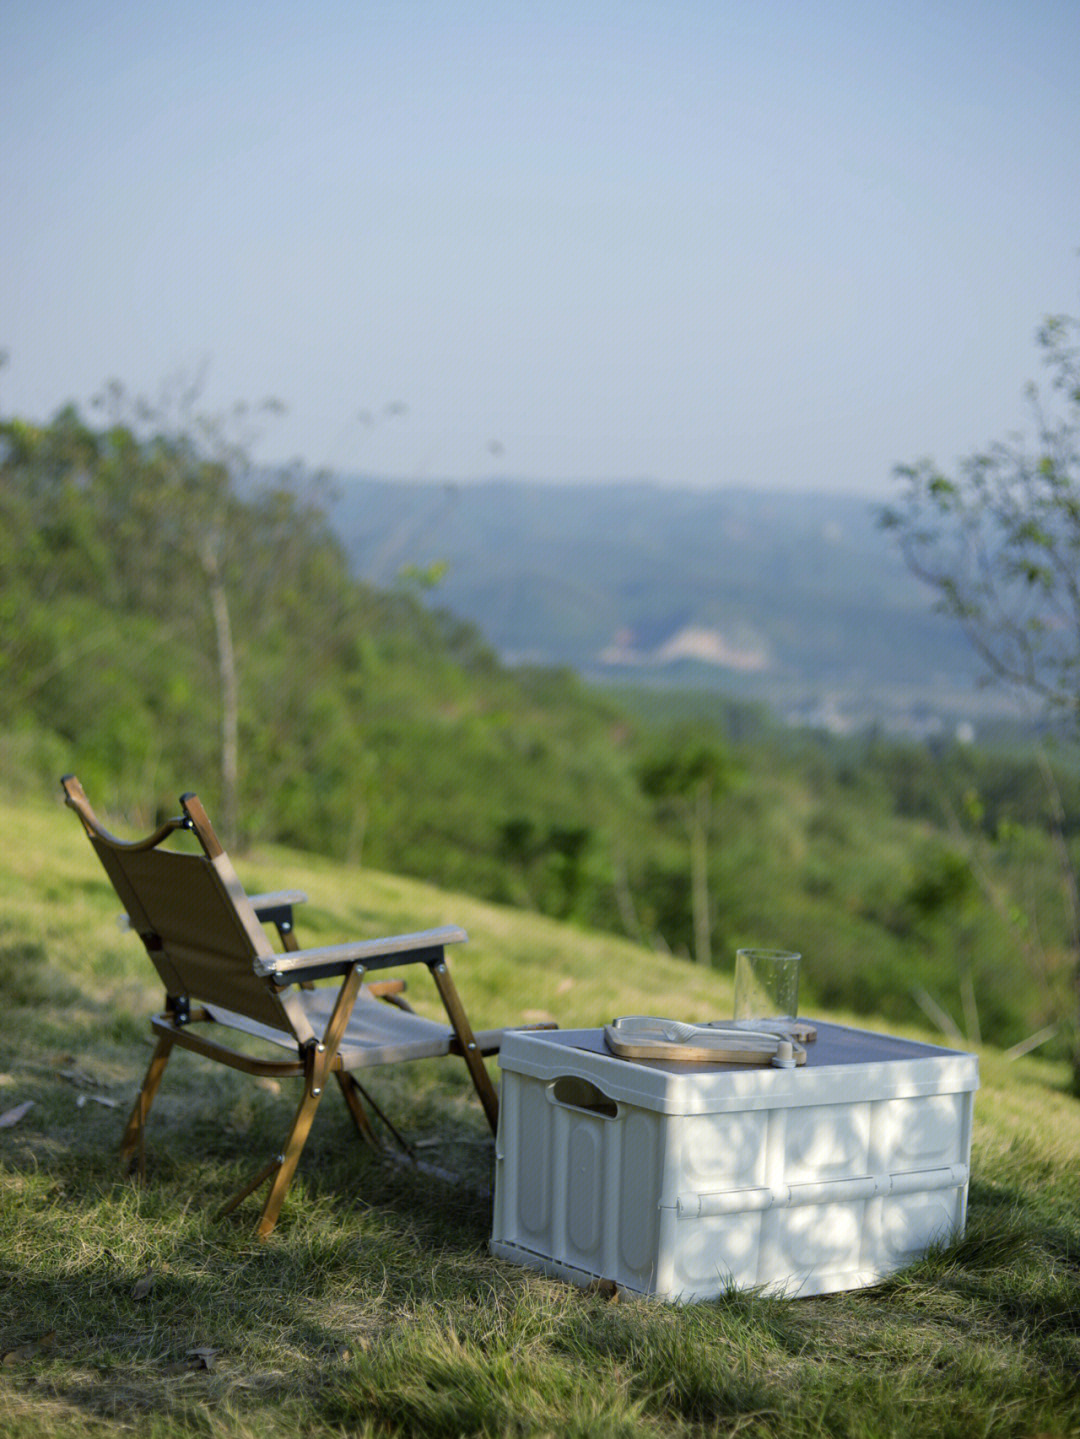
column 766, row 984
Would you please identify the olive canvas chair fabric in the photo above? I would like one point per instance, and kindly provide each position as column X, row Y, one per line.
column 206, row 938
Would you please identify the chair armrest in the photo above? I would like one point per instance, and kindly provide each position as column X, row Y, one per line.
column 424, row 947
column 387, row 988
column 277, row 909
column 277, row 899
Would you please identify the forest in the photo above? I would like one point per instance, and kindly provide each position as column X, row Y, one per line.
column 166, row 626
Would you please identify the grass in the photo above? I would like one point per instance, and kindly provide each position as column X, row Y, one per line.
column 375, row 1308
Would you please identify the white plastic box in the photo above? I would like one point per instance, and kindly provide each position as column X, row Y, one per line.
column 686, row 1180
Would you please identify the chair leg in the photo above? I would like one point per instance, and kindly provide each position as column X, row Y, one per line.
column 474, row 1060
column 405, row 1154
column 250, row 1187
column 352, row 1091
column 318, row 1061
column 134, row 1134
column 283, row 1166
column 356, row 1109
column 290, row 1155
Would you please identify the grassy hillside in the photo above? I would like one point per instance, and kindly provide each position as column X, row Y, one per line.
column 375, row 1308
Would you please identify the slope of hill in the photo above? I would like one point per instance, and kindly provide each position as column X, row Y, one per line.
column 375, row 1308
column 799, row 600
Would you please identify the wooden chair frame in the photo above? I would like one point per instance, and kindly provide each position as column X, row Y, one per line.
column 245, row 984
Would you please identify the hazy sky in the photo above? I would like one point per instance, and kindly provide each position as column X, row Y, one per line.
column 783, row 244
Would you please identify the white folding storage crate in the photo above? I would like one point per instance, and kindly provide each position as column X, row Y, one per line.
column 685, row 1180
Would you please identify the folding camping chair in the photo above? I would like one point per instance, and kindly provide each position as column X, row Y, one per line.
column 206, row 939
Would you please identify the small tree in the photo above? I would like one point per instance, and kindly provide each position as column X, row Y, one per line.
column 687, row 781
column 195, row 459
column 1000, row 545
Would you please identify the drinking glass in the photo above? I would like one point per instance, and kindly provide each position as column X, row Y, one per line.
column 766, row 984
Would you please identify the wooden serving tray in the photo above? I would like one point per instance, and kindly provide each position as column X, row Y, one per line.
column 643, row 1036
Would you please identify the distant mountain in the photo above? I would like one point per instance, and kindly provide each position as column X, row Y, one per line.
column 800, row 600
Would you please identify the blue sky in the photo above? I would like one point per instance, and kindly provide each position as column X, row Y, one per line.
column 778, row 244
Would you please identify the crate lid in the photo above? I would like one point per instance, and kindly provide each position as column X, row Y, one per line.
column 843, row 1066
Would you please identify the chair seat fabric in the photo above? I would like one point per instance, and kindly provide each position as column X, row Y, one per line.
column 378, row 1033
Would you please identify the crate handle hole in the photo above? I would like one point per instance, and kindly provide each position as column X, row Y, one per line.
column 575, row 1092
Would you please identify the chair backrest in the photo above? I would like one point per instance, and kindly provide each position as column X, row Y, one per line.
column 190, row 910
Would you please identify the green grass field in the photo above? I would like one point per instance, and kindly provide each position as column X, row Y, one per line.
column 375, row 1308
